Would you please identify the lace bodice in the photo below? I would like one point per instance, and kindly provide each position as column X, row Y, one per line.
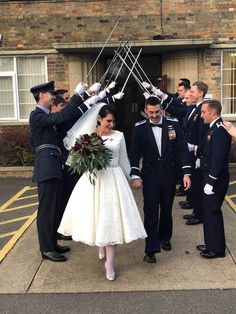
column 116, row 143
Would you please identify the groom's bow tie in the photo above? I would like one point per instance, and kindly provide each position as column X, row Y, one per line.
column 159, row 125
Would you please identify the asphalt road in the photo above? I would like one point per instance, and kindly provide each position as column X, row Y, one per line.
column 161, row 302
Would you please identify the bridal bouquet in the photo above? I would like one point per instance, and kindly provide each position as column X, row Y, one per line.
column 89, row 154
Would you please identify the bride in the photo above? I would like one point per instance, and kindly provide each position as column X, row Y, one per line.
column 104, row 214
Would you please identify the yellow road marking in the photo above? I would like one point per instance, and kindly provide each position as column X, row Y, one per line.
column 16, row 236
column 232, row 195
column 11, row 200
column 32, row 188
column 232, row 182
column 19, row 207
column 231, row 203
column 7, row 235
column 13, row 220
column 26, row 197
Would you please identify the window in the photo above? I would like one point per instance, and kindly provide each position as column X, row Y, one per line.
column 228, row 88
column 17, row 76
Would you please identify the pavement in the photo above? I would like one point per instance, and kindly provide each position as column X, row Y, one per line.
column 180, row 282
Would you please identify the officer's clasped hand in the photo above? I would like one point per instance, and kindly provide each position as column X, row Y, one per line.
column 208, row 189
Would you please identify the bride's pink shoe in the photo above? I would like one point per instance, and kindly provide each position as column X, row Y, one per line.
column 101, row 253
column 110, row 275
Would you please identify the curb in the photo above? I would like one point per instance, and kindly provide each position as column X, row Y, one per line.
column 27, row 172
column 16, row 172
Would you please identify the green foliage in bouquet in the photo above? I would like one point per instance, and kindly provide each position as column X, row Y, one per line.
column 89, row 154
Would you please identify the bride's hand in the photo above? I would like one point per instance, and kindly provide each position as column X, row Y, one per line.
column 136, row 184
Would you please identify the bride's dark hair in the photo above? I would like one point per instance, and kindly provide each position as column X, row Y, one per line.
column 106, row 110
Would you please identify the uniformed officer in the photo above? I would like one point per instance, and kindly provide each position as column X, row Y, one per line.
column 194, row 130
column 158, row 139
column 214, row 155
column 47, row 168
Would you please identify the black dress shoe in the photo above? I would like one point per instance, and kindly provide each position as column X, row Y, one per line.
column 201, row 247
column 180, row 193
column 187, row 217
column 150, row 258
column 181, row 203
column 211, row 255
column 54, row 256
column 193, row 221
column 63, row 237
column 187, row 205
column 166, row 245
column 62, row 248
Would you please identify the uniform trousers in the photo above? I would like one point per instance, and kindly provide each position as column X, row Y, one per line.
column 158, row 193
column 195, row 193
column 213, row 224
column 69, row 181
column 48, row 219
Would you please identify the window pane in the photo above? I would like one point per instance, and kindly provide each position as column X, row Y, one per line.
column 33, row 65
column 31, row 71
column 6, row 64
column 228, row 106
column 6, row 98
column 229, row 82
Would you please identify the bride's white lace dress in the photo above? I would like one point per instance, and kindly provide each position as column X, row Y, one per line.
column 105, row 213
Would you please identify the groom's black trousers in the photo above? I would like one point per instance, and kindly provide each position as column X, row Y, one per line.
column 158, row 193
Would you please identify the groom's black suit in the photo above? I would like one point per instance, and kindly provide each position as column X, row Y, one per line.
column 159, row 176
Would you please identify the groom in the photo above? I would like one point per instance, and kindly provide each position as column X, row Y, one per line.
column 157, row 140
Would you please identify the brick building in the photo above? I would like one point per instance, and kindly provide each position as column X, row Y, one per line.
column 59, row 40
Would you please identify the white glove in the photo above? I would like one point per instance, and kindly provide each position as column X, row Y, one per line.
column 118, row 95
column 80, row 89
column 190, row 147
column 146, row 85
column 208, row 189
column 92, row 100
column 157, row 92
column 197, row 164
column 95, row 88
column 102, row 94
column 111, row 85
column 146, row 95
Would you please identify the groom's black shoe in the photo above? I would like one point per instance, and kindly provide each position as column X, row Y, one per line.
column 150, row 258
column 211, row 255
column 62, row 248
column 63, row 237
column 54, row 256
column 166, row 245
column 201, row 247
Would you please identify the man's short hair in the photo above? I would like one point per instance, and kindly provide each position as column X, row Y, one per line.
column 201, row 86
column 153, row 101
column 58, row 100
column 214, row 104
column 61, row 91
column 185, row 85
column 185, row 80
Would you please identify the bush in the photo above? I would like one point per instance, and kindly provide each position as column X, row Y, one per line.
column 14, row 147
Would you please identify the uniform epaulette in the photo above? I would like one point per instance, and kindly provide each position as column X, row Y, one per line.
column 172, row 119
column 140, row 122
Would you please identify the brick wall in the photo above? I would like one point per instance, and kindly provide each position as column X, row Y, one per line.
column 37, row 24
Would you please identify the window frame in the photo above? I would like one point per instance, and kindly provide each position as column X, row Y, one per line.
column 228, row 116
column 14, row 74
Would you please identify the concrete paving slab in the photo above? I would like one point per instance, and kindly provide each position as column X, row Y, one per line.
column 180, row 269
